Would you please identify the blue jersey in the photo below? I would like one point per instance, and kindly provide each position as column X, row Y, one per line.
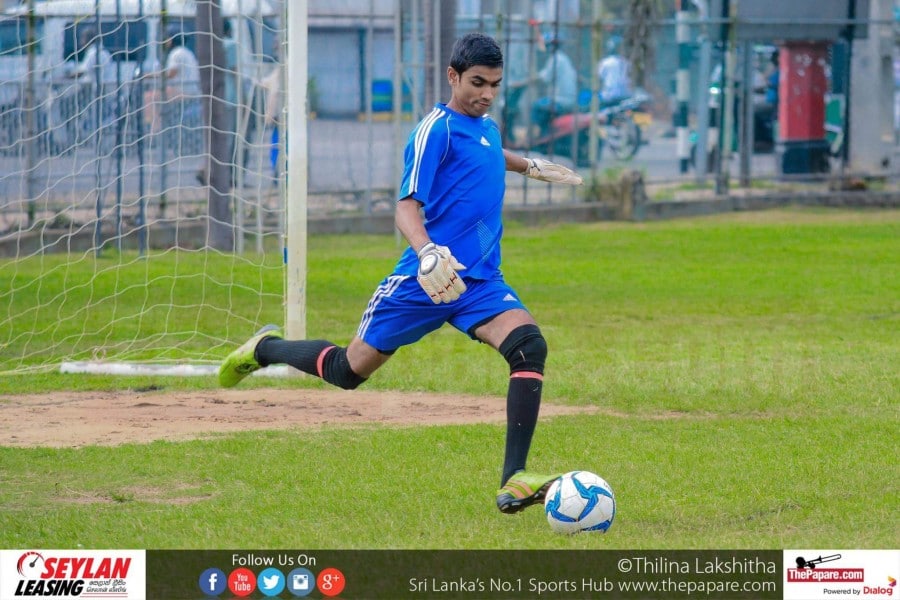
column 454, row 166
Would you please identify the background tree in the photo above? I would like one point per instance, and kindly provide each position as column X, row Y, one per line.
column 642, row 17
column 211, row 59
column 639, row 17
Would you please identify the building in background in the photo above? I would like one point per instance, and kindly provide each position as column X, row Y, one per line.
column 338, row 42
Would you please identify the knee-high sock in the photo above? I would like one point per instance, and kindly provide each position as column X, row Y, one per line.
column 304, row 355
column 316, row 357
column 523, row 402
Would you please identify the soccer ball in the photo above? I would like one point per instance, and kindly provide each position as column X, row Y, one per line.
column 580, row 501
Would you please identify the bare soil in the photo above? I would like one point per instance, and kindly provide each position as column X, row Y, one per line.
column 75, row 419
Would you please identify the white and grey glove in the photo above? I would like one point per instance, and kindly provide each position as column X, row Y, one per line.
column 438, row 273
column 544, row 170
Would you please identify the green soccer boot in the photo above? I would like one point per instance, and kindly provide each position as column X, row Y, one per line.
column 522, row 490
column 242, row 361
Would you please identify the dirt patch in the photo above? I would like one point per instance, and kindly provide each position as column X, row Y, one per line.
column 75, row 419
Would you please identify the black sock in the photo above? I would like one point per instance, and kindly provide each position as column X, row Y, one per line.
column 316, row 357
column 523, row 402
column 300, row 354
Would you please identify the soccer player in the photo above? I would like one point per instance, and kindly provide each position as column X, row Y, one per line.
column 449, row 210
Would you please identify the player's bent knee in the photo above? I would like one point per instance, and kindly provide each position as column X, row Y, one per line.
column 336, row 370
column 525, row 349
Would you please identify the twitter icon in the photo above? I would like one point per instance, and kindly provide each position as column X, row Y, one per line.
column 270, row 582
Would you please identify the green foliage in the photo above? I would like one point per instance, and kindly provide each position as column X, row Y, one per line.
column 739, row 374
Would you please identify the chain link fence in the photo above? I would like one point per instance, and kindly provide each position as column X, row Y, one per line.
column 75, row 149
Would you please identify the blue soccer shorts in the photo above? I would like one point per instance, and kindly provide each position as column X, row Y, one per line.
column 400, row 312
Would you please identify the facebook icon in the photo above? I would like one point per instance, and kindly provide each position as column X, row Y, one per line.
column 213, row 582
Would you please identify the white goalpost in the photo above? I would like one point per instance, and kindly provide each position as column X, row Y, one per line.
column 107, row 264
column 297, row 148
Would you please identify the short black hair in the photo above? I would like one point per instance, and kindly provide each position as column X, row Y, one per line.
column 175, row 33
column 475, row 49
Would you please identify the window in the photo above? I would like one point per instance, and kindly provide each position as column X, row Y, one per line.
column 125, row 40
column 13, row 36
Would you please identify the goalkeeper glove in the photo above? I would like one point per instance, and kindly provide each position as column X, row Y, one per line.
column 438, row 273
column 544, row 170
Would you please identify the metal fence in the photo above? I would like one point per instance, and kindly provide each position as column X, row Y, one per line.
column 71, row 150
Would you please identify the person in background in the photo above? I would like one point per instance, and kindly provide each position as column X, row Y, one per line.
column 773, row 80
column 182, row 70
column 71, row 112
column 270, row 85
column 614, row 72
column 236, row 113
column 239, row 96
column 182, row 75
column 94, row 56
column 560, row 81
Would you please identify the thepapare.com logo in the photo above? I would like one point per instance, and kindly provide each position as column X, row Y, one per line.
column 71, row 575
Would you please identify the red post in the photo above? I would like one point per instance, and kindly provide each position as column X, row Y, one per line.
column 801, row 90
column 801, row 107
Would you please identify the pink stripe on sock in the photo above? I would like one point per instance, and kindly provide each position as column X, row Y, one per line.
column 320, row 361
column 526, row 375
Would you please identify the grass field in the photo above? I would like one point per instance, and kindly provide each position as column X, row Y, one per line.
column 745, row 370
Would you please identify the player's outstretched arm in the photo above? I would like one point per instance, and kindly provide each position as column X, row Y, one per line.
column 540, row 169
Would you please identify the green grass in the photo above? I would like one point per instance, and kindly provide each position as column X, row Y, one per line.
column 744, row 370
column 166, row 306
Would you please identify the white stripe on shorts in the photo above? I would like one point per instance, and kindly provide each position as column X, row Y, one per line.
column 384, row 290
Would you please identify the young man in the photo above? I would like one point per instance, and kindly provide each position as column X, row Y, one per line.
column 94, row 57
column 560, row 81
column 455, row 171
column 614, row 73
column 182, row 79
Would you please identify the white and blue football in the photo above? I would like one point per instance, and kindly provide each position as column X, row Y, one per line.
column 580, row 501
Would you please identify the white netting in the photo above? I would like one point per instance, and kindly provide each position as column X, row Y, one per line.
column 142, row 213
column 107, row 190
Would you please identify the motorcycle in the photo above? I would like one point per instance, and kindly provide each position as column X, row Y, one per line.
column 764, row 115
column 619, row 126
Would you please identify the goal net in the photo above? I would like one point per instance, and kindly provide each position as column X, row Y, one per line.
column 141, row 203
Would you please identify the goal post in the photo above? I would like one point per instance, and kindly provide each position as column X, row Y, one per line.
column 297, row 169
column 105, row 263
